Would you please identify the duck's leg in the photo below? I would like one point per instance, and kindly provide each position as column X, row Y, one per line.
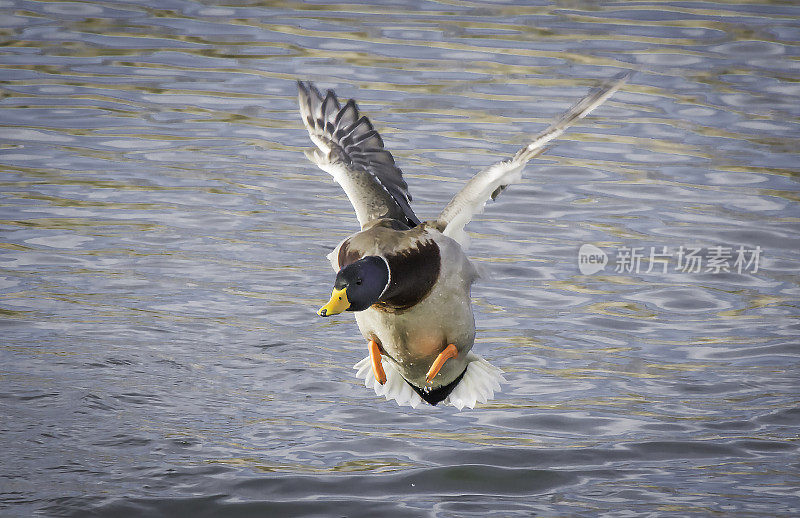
column 375, row 356
column 449, row 352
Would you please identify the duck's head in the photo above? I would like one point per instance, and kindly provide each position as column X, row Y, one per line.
column 358, row 286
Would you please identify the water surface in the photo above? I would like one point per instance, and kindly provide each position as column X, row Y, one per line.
column 163, row 246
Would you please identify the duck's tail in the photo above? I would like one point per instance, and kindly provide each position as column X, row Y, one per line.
column 490, row 182
column 478, row 384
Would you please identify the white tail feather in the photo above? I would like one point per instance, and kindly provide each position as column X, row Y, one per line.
column 481, row 380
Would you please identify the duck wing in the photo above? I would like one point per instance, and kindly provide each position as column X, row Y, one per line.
column 350, row 150
column 490, row 182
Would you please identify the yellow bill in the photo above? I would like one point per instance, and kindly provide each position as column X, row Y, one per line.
column 336, row 305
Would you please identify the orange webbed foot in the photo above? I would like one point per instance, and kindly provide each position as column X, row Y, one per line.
column 377, row 367
column 449, row 352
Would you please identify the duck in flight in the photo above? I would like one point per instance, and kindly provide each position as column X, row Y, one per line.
column 408, row 281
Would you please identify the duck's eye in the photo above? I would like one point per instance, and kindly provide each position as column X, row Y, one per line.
column 358, row 282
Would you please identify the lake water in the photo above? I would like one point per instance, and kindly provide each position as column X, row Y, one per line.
column 163, row 241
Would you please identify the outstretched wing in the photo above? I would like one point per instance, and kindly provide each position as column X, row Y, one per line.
column 490, row 182
column 350, row 150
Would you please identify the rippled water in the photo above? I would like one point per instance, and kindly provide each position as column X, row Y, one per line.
column 163, row 243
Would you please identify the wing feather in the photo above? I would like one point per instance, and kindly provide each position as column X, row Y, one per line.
column 349, row 148
column 490, row 182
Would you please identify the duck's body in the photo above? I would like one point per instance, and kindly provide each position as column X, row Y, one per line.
column 426, row 306
column 409, row 282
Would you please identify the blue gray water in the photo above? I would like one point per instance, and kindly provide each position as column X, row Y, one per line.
column 163, row 241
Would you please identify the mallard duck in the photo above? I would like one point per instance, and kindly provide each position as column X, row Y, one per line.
column 408, row 281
